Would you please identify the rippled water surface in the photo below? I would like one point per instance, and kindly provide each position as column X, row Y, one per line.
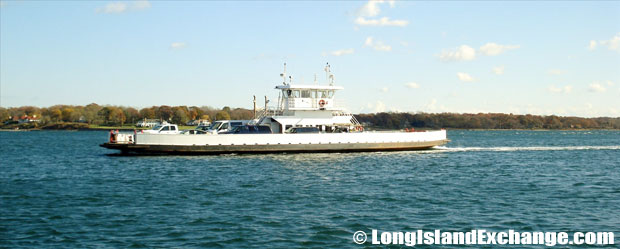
column 60, row 189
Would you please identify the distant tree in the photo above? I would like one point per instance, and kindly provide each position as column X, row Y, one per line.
column 90, row 112
column 179, row 116
column 117, row 116
column 195, row 112
column 240, row 113
column 147, row 112
column 164, row 112
column 205, row 117
column 56, row 115
column 132, row 115
column 222, row 115
column 67, row 114
column 104, row 114
column 4, row 114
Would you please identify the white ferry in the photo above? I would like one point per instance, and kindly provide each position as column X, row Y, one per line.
column 307, row 119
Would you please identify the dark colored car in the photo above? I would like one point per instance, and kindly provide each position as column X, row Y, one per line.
column 303, row 130
column 193, row 132
column 250, row 129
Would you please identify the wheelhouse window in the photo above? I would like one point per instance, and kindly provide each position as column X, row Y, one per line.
column 296, row 94
column 322, row 94
column 305, row 94
column 330, row 94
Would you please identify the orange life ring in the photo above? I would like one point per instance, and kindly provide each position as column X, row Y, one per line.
column 322, row 102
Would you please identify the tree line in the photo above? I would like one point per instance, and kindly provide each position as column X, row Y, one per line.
column 483, row 121
column 94, row 114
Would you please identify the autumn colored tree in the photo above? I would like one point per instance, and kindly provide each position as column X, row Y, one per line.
column 147, row 112
column 222, row 115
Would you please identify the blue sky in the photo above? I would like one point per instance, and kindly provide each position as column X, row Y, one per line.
column 519, row 57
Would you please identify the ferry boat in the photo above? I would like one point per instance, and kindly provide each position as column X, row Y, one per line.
column 307, row 118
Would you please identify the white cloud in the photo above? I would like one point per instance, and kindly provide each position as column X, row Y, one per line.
column 493, row 49
column 178, row 45
column 371, row 8
column 565, row 89
column 592, row 45
column 610, row 83
column 432, row 105
column 120, row 7
column 498, row 70
column 378, row 106
column 368, row 41
column 596, row 87
column 611, row 44
column 462, row 53
column 340, row 52
column 113, row 8
column 412, row 85
column 385, row 89
column 383, row 21
column 465, row 77
column 377, row 45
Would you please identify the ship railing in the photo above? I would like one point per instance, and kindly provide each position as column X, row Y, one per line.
column 261, row 113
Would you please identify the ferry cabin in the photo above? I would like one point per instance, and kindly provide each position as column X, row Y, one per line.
column 308, row 106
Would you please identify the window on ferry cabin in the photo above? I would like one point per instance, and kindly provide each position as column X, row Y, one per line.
column 305, row 94
column 323, row 94
column 313, row 94
column 296, row 94
column 331, row 94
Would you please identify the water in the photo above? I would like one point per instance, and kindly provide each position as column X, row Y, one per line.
column 59, row 189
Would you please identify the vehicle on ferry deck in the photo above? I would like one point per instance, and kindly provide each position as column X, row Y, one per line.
column 221, row 126
column 303, row 130
column 249, row 129
column 164, row 128
column 193, row 132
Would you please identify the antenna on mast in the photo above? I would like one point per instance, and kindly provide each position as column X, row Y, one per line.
column 328, row 73
column 315, row 82
column 283, row 75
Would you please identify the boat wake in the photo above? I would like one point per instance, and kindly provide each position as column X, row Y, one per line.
column 533, row 148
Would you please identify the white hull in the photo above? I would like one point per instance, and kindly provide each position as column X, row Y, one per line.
column 273, row 139
column 276, row 143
